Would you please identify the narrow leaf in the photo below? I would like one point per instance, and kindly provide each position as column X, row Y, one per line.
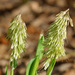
column 51, row 66
column 40, row 47
column 29, row 66
column 34, row 66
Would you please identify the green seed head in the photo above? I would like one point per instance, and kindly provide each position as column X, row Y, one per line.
column 17, row 35
column 54, row 41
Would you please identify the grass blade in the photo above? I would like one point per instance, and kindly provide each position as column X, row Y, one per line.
column 29, row 66
column 51, row 66
column 40, row 47
column 33, row 64
column 6, row 70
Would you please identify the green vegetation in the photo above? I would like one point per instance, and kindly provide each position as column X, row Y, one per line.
column 54, row 43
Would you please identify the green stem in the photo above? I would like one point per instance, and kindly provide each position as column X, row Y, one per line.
column 12, row 72
column 51, row 66
column 6, row 70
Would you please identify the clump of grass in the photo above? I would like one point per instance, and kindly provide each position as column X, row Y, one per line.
column 54, row 43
